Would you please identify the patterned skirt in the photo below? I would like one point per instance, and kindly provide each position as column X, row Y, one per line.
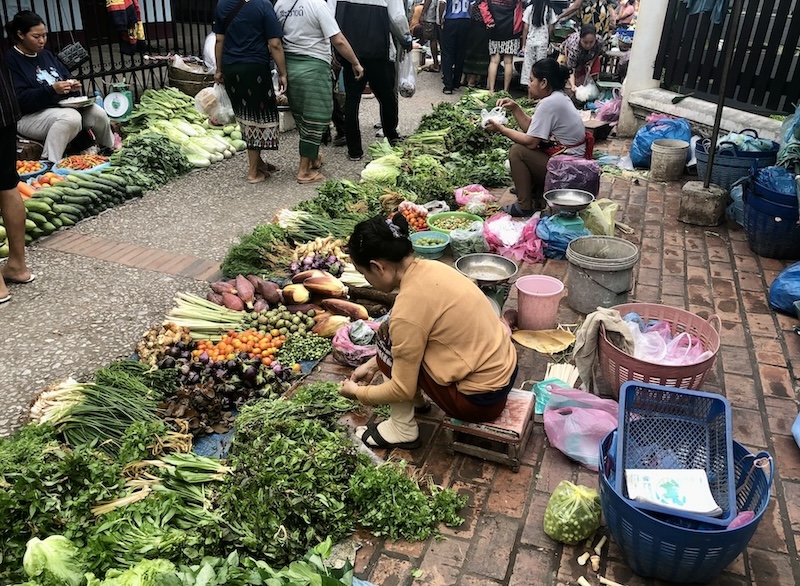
column 249, row 87
column 509, row 47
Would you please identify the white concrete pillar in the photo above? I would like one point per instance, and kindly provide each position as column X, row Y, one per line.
column 641, row 67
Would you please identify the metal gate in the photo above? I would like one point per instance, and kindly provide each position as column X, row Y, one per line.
column 170, row 27
column 764, row 69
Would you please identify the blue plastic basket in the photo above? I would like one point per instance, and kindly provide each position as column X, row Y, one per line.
column 693, row 553
column 769, row 234
column 664, row 427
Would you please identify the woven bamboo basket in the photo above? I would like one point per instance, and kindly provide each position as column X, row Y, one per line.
column 188, row 82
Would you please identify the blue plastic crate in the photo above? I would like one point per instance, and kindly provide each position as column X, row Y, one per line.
column 664, row 427
column 677, row 550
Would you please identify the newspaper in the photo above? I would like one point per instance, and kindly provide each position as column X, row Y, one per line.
column 678, row 489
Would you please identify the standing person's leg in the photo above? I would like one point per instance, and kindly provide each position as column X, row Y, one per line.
column 462, row 38
column 13, row 213
column 448, row 42
column 96, row 120
column 508, row 71
column 383, row 86
column 55, row 127
column 494, row 61
column 435, row 47
column 352, row 101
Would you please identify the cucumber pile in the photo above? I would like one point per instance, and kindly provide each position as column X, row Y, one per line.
column 79, row 196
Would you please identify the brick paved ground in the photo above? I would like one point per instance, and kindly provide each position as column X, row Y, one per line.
column 706, row 271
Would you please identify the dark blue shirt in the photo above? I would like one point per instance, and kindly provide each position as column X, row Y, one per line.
column 455, row 9
column 248, row 33
column 33, row 79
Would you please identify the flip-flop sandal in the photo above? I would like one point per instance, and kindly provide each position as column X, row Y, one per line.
column 315, row 178
column 424, row 409
column 5, row 299
column 259, row 179
column 515, row 211
column 14, row 281
column 371, row 434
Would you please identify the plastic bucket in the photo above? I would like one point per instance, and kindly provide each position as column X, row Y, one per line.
column 668, row 160
column 599, row 273
column 537, row 301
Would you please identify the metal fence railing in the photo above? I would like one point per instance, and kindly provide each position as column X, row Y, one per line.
column 766, row 61
column 169, row 26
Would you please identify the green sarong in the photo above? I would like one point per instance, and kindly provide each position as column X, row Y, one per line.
column 310, row 94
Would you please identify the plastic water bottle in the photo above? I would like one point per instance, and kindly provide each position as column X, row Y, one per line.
column 98, row 98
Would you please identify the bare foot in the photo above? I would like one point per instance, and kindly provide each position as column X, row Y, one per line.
column 259, row 177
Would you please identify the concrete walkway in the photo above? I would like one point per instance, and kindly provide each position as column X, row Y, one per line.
column 104, row 282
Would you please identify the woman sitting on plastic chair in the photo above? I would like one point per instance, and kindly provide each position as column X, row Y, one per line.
column 41, row 81
column 442, row 337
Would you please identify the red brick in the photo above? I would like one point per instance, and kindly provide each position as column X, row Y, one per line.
column 472, row 580
column 718, row 253
column 533, row 567
column 770, row 535
column 440, row 465
column 555, row 468
column 495, row 539
column 443, row 562
column 775, row 381
column 533, row 530
column 173, row 267
column 477, row 471
column 771, row 569
column 476, row 498
column 651, row 277
column 568, row 568
column 107, row 252
column 786, row 322
column 750, row 282
column 741, row 248
column 755, row 302
column 409, row 549
column 787, row 457
column 671, row 285
column 748, row 427
column 725, row 301
column 698, row 275
column 621, row 573
column 83, row 246
column 391, row 572
column 367, row 546
column 732, row 334
column 740, row 391
column 156, row 261
column 674, row 301
column 700, row 295
column 735, row 360
column 674, row 267
column 510, row 491
column 59, row 239
column 772, row 264
column 211, row 274
column 791, row 494
column 645, row 294
column 535, row 449
column 781, row 414
column 747, row 264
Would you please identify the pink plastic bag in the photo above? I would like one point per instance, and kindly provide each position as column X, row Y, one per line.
column 569, row 172
column 514, row 239
column 473, row 194
column 609, row 111
column 349, row 354
column 575, row 421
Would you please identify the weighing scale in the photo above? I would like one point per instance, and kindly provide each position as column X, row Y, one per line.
column 566, row 203
column 118, row 104
column 490, row 272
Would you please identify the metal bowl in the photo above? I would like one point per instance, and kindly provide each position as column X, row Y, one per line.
column 568, row 200
column 486, row 269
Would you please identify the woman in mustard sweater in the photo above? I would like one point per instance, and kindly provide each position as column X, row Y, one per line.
column 442, row 337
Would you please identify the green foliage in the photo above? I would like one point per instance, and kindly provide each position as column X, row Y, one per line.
column 252, row 255
column 150, row 159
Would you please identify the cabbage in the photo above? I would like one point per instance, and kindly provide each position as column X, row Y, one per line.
column 383, row 170
column 145, row 573
column 572, row 513
column 55, row 559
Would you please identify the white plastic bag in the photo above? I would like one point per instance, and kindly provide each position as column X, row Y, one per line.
column 587, row 92
column 209, row 52
column 408, row 77
column 215, row 103
column 498, row 114
column 436, row 206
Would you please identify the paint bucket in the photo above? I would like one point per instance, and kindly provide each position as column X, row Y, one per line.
column 599, row 273
column 668, row 160
column 537, row 301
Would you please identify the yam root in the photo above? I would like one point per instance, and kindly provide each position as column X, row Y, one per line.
column 386, row 299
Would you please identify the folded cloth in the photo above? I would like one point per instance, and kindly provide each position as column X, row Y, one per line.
column 585, row 352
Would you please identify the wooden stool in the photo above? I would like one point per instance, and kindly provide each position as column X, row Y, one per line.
column 502, row 440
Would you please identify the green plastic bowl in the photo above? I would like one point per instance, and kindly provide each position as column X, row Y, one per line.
column 432, row 220
column 433, row 251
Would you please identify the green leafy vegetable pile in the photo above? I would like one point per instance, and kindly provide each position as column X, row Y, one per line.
column 150, row 160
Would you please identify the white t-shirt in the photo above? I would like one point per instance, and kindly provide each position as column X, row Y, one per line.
column 308, row 26
column 556, row 116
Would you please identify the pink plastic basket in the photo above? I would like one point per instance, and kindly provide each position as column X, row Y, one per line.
column 619, row 367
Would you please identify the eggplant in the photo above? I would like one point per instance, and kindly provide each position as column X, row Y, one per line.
column 181, row 346
column 243, row 356
column 185, row 370
column 204, row 358
column 220, row 374
column 193, row 378
column 167, row 362
column 173, row 351
column 249, row 374
column 231, row 364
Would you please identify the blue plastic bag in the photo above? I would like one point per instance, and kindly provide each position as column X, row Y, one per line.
column 641, row 147
column 777, row 179
column 785, row 290
column 556, row 235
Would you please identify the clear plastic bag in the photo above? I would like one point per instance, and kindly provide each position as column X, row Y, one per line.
column 572, row 513
column 575, row 421
column 468, row 241
column 498, row 114
column 215, row 103
column 407, row 85
column 599, row 217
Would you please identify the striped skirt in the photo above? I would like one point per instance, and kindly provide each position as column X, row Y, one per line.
column 310, row 93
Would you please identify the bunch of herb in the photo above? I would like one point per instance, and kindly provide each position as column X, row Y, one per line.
column 48, row 489
column 428, row 178
column 334, row 199
column 137, row 441
column 253, row 254
column 391, row 503
column 161, row 381
column 287, row 490
column 151, row 158
column 487, row 168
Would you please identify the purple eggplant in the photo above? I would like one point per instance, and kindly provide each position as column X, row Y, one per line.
column 203, row 358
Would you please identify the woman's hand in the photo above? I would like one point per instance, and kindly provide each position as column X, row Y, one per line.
column 283, row 83
column 219, row 77
column 348, row 390
column 358, row 71
column 492, row 126
column 63, row 87
column 507, row 103
column 366, row 372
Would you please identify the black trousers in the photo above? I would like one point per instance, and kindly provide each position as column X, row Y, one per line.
column 454, row 35
column 380, row 74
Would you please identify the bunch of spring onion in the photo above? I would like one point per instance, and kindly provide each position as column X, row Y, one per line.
column 304, row 226
column 53, row 403
column 204, row 319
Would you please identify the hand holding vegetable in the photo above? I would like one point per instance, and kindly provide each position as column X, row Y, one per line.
column 62, row 87
column 348, row 390
column 508, row 104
